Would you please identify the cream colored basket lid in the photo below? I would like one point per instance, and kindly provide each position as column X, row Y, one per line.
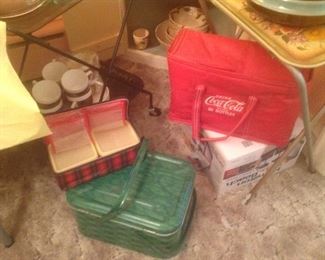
column 114, row 139
column 72, row 158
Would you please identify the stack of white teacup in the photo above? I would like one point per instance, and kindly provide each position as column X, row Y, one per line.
column 60, row 83
column 184, row 17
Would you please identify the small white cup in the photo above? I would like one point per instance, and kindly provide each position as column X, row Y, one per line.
column 141, row 38
column 75, row 83
column 78, row 85
column 48, row 95
column 54, row 70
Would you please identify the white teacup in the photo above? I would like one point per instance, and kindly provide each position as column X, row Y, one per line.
column 54, row 70
column 48, row 95
column 141, row 38
column 77, row 85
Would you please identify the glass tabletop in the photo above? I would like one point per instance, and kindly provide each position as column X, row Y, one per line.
column 39, row 17
column 302, row 47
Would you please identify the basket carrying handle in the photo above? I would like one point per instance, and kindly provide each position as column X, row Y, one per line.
column 196, row 116
column 131, row 186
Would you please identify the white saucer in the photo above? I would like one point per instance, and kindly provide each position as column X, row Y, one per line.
column 96, row 96
column 160, row 32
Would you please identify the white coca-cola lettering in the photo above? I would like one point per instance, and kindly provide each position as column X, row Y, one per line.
column 213, row 101
column 234, row 105
column 225, row 104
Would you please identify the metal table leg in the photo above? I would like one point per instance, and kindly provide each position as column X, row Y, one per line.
column 133, row 81
column 5, row 238
column 303, row 93
column 22, row 64
column 302, row 86
column 307, row 133
column 274, row 167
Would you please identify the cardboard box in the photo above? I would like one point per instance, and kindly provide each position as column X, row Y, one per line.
column 238, row 162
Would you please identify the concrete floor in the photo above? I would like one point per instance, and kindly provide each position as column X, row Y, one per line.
column 285, row 221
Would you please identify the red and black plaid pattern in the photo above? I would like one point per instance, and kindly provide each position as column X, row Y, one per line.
column 100, row 167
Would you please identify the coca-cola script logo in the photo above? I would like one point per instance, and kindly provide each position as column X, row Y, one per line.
column 224, row 105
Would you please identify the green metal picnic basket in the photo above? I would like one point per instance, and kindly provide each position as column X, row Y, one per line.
column 146, row 207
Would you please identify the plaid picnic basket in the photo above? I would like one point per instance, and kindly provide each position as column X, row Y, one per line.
column 78, row 148
column 97, row 168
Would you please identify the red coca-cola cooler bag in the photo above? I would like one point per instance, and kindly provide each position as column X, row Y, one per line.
column 231, row 86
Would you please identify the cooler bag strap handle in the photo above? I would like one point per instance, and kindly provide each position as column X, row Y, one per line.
column 196, row 116
column 131, row 186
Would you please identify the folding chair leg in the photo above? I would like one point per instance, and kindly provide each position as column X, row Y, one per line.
column 274, row 167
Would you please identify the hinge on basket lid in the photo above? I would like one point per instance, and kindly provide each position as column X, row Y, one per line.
column 69, row 131
column 107, row 115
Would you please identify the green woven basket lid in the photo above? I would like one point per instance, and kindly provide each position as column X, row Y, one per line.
column 157, row 199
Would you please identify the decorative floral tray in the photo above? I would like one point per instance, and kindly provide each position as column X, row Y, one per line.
column 299, row 46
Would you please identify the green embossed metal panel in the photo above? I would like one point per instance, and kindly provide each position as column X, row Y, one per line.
column 146, row 208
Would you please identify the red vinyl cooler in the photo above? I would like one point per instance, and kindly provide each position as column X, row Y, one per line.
column 231, row 86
